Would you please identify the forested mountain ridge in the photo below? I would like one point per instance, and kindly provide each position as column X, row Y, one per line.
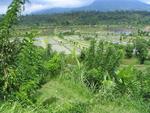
column 88, row 18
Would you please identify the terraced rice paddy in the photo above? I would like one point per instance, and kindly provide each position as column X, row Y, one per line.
column 57, row 44
column 81, row 39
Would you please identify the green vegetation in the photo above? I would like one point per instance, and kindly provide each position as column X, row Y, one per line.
column 101, row 74
column 89, row 18
column 142, row 49
column 129, row 50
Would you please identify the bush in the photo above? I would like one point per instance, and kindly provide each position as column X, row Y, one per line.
column 94, row 79
column 54, row 65
column 129, row 50
column 101, row 62
column 29, row 63
column 134, row 83
column 141, row 49
column 144, row 79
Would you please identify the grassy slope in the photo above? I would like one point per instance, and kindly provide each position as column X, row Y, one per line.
column 65, row 96
column 70, row 97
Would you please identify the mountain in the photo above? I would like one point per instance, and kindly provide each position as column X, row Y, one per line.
column 103, row 5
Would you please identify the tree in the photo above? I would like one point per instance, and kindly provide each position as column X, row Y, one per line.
column 141, row 49
column 129, row 50
column 104, row 58
column 8, row 47
column 28, row 73
column 90, row 55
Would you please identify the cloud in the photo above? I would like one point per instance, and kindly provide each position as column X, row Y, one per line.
column 47, row 4
column 3, row 9
column 36, row 5
column 4, row 5
column 145, row 1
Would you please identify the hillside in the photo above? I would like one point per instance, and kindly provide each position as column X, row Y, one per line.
column 66, row 96
column 88, row 18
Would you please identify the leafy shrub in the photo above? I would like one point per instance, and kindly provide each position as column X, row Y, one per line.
column 144, row 79
column 129, row 50
column 94, row 78
column 8, row 48
column 28, row 73
column 142, row 49
column 101, row 61
column 129, row 82
column 54, row 65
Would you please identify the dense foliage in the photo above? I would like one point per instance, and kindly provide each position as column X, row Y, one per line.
column 21, row 68
column 101, row 61
column 89, row 18
column 129, row 50
column 8, row 48
column 141, row 49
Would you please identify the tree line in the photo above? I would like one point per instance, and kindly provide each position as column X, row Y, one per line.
column 87, row 18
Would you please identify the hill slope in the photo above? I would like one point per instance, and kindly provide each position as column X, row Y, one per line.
column 65, row 96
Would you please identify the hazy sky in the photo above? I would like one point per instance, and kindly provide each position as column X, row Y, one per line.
column 36, row 5
column 145, row 1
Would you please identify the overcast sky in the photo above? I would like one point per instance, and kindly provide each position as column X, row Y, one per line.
column 36, row 5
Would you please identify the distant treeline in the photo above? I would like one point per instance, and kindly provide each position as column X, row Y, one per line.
column 89, row 18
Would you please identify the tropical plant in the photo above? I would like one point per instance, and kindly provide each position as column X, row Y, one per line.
column 141, row 49
column 103, row 58
column 129, row 81
column 129, row 50
column 8, row 47
column 53, row 65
